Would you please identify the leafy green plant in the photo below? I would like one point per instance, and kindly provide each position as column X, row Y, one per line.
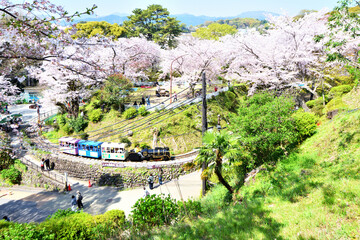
column 190, row 208
column 95, row 115
column 339, row 90
column 125, row 140
column 67, row 129
column 144, row 146
column 12, row 175
column 305, row 123
column 61, row 120
column 62, row 213
column 78, row 124
column 154, row 210
column 142, row 111
column 26, row 231
column 130, row 113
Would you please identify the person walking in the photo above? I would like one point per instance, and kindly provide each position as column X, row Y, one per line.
column 42, row 164
column 151, row 181
column 47, row 164
column 143, row 100
column 161, row 176
column 146, row 193
column 73, row 203
column 148, row 100
column 175, row 97
column 79, row 200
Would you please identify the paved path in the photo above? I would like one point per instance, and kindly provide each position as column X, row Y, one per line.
column 34, row 205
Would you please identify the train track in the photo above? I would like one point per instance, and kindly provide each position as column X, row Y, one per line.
column 55, row 152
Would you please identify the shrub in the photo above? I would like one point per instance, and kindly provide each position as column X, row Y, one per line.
column 84, row 135
column 61, row 213
column 130, row 113
column 67, row 129
column 190, row 208
column 26, row 231
column 142, row 111
column 305, row 123
column 339, row 90
column 335, row 103
column 95, row 115
column 61, row 120
column 154, row 210
column 116, row 217
column 144, row 146
column 125, row 140
column 78, row 124
column 12, row 175
column 317, row 105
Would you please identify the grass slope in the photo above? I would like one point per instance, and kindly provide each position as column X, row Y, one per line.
column 312, row 194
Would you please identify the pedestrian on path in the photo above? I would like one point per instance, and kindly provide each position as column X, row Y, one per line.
column 73, row 203
column 151, row 181
column 42, row 165
column 175, row 97
column 161, row 176
column 143, row 100
column 79, row 200
column 148, row 100
column 47, row 164
column 146, row 193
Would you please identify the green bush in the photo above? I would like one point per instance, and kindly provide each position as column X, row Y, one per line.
column 305, row 123
column 144, row 146
column 317, row 105
column 95, row 115
column 78, row 124
column 19, row 165
column 25, row 231
column 339, row 91
column 67, row 129
column 154, row 210
column 84, row 135
column 125, row 140
column 12, row 175
column 190, row 208
column 113, row 217
column 142, row 111
column 130, row 113
column 75, row 226
column 335, row 103
column 61, row 120
column 61, row 213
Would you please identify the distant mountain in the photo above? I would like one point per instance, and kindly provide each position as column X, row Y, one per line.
column 188, row 19
column 260, row 15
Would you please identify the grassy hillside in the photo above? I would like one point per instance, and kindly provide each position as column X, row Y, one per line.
column 312, row 194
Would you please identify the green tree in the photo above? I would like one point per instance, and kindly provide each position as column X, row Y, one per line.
column 91, row 29
column 219, row 149
column 214, row 31
column 155, row 24
column 265, row 126
column 117, row 90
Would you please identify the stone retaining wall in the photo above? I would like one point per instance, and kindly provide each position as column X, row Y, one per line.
column 117, row 177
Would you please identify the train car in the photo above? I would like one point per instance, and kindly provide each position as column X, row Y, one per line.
column 114, row 151
column 90, row 149
column 69, row 145
column 157, row 153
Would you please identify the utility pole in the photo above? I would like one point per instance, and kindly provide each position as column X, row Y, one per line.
column 204, row 125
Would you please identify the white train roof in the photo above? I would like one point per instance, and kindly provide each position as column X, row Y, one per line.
column 114, row 145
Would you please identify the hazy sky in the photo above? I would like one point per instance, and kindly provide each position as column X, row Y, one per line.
column 198, row 7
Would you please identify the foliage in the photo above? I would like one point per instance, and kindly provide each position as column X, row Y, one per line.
column 265, row 126
column 317, row 105
column 154, row 210
column 130, row 113
column 238, row 23
column 144, row 146
column 12, row 175
column 214, row 31
column 95, row 115
column 113, row 217
column 189, row 208
column 91, row 29
column 142, row 111
column 26, row 232
column 67, row 129
column 5, row 159
column 61, row 119
column 84, row 135
column 305, row 124
column 78, row 124
column 219, row 150
column 334, row 104
column 338, row 91
column 155, row 24
column 62, row 213
column 125, row 140
column 116, row 91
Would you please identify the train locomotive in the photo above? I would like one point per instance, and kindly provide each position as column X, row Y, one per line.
column 110, row 150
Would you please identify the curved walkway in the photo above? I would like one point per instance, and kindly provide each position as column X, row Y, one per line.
column 34, row 205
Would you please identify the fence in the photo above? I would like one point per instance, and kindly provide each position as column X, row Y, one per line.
column 52, row 175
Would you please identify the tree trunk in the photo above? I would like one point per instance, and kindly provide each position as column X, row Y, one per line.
column 220, row 177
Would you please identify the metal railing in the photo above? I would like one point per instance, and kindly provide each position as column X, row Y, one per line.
column 52, row 175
